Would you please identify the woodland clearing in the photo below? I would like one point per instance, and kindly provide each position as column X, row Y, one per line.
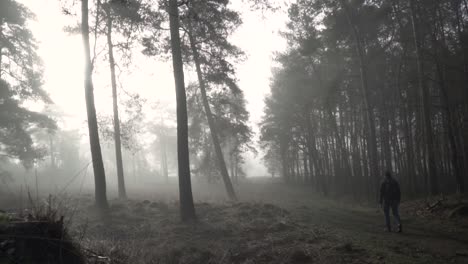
column 271, row 223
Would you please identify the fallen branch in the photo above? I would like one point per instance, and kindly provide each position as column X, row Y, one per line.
column 432, row 206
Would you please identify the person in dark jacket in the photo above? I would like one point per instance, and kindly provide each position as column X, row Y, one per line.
column 390, row 196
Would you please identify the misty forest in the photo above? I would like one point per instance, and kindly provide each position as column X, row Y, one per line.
column 247, row 131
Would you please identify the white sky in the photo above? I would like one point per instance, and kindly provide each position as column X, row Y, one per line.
column 63, row 61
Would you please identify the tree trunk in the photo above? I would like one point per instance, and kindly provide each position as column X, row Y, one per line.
column 117, row 143
column 464, row 49
column 306, row 167
column 98, row 167
column 162, row 146
column 1, row 47
column 340, row 170
column 214, row 134
column 425, row 100
column 284, row 160
column 386, row 152
column 236, row 169
column 51, row 147
column 187, row 209
column 449, row 124
column 369, row 112
column 356, row 156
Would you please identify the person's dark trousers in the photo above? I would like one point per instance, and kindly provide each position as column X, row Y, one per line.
column 394, row 206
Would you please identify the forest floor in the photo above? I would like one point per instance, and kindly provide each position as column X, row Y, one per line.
column 271, row 223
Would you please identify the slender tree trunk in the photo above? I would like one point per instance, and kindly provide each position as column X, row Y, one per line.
column 98, row 167
column 231, row 164
column 115, row 107
column 365, row 157
column 385, row 132
column 419, row 153
column 306, row 167
column 406, row 117
column 449, row 125
column 464, row 50
column 51, row 147
column 187, row 209
column 297, row 163
column 356, row 156
column 339, row 138
column 214, row 134
column 236, row 169
column 284, row 160
column 162, row 146
column 425, row 99
column 291, row 166
column 369, row 112
column 312, row 150
column 326, row 177
column 1, row 46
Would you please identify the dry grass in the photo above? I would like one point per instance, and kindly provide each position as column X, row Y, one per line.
column 272, row 223
column 150, row 232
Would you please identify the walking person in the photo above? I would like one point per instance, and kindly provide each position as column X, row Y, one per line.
column 390, row 196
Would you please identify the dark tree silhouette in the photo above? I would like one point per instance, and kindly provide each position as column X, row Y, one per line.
column 98, row 166
column 209, row 116
column 187, row 209
column 208, row 27
column 115, row 106
column 20, row 81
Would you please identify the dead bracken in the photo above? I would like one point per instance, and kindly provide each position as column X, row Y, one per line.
column 223, row 233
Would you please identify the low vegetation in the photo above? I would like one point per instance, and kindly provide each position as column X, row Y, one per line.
column 296, row 226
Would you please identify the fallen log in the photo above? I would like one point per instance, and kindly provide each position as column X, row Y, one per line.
column 432, row 206
column 460, row 210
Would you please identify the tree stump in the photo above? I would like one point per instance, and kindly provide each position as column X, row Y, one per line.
column 37, row 242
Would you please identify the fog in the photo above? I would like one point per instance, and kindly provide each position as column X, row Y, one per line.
column 249, row 131
column 148, row 78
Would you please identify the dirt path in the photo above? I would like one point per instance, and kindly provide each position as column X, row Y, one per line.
column 422, row 240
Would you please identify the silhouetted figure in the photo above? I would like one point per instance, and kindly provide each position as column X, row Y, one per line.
column 390, row 199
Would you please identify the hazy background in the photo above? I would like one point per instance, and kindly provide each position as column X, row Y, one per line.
column 62, row 55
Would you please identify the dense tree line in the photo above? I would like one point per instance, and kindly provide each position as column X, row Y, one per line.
column 370, row 86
